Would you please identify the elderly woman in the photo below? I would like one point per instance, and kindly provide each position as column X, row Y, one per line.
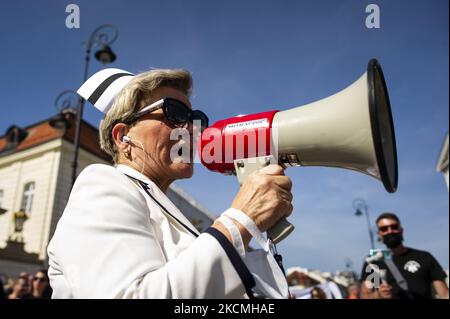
column 121, row 237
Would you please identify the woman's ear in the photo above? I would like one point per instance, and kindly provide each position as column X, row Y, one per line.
column 118, row 132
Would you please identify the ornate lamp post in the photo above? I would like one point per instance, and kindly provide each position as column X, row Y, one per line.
column 66, row 102
column 98, row 38
column 361, row 208
column 67, row 99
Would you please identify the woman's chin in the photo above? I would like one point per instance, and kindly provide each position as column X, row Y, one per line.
column 183, row 170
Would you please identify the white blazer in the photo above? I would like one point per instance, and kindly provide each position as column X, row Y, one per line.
column 121, row 237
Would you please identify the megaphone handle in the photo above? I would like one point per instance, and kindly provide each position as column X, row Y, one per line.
column 280, row 230
column 243, row 168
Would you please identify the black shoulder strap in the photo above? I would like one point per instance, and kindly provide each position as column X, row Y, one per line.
column 401, row 282
column 146, row 188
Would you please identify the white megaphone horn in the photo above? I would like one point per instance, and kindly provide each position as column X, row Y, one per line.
column 351, row 129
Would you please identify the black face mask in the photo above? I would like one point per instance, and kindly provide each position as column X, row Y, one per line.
column 393, row 240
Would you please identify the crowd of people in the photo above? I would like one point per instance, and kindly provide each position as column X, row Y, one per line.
column 27, row 286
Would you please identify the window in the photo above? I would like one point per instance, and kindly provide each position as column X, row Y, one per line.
column 27, row 199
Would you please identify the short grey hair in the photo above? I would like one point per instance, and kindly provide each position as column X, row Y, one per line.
column 137, row 94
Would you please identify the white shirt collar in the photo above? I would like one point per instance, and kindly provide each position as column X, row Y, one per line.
column 134, row 173
column 160, row 194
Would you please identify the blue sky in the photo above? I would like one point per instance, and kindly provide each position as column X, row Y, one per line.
column 256, row 55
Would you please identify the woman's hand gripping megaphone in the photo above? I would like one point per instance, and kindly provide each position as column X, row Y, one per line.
column 265, row 196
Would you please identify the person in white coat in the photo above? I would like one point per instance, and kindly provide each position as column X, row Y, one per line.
column 120, row 236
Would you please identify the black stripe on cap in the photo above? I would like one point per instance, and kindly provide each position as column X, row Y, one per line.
column 104, row 85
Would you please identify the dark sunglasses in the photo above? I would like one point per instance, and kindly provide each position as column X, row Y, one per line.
column 386, row 228
column 40, row 279
column 177, row 113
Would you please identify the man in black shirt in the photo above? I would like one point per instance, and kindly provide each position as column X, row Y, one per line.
column 419, row 269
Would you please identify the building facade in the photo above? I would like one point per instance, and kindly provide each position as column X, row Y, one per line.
column 35, row 183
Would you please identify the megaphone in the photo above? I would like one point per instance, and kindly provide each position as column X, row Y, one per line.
column 352, row 129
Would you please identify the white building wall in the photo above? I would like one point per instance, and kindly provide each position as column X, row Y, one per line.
column 9, row 174
column 38, row 165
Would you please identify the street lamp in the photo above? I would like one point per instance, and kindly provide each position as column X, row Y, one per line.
column 105, row 55
column 67, row 99
column 361, row 208
column 66, row 103
column 98, row 38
